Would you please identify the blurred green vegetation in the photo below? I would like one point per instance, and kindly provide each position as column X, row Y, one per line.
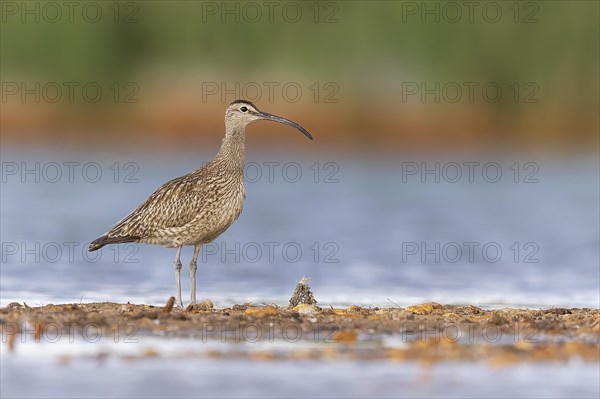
column 550, row 40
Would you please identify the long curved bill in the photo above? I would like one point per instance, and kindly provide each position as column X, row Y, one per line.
column 275, row 118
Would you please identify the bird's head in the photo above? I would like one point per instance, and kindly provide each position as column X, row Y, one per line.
column 241, row 112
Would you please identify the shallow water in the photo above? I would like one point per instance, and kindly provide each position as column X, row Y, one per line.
column 366, row 232
column 192, row 377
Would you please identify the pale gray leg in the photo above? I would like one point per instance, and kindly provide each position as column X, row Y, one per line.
column 193, row 267
column 178, row 276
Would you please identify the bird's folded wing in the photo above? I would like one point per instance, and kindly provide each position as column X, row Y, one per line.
column 174, row 204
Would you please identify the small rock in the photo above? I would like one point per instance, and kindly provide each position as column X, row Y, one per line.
column 425, row 308
column 260, row 312
column 305, row 309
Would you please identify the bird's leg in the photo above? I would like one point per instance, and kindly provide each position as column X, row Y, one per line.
column 193, row 267
column 178, row 276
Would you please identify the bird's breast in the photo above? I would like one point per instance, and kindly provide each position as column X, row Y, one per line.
column 220, row 210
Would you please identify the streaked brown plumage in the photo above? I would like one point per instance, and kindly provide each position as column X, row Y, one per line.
column 196, row 208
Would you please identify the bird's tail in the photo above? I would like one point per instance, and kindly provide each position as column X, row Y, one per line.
column 105, row 240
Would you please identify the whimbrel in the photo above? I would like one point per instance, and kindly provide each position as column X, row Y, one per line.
column 196, row 208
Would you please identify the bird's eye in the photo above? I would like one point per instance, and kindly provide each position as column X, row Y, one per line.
column 243, row 109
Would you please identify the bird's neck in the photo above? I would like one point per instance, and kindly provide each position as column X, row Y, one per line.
column 232, row 150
